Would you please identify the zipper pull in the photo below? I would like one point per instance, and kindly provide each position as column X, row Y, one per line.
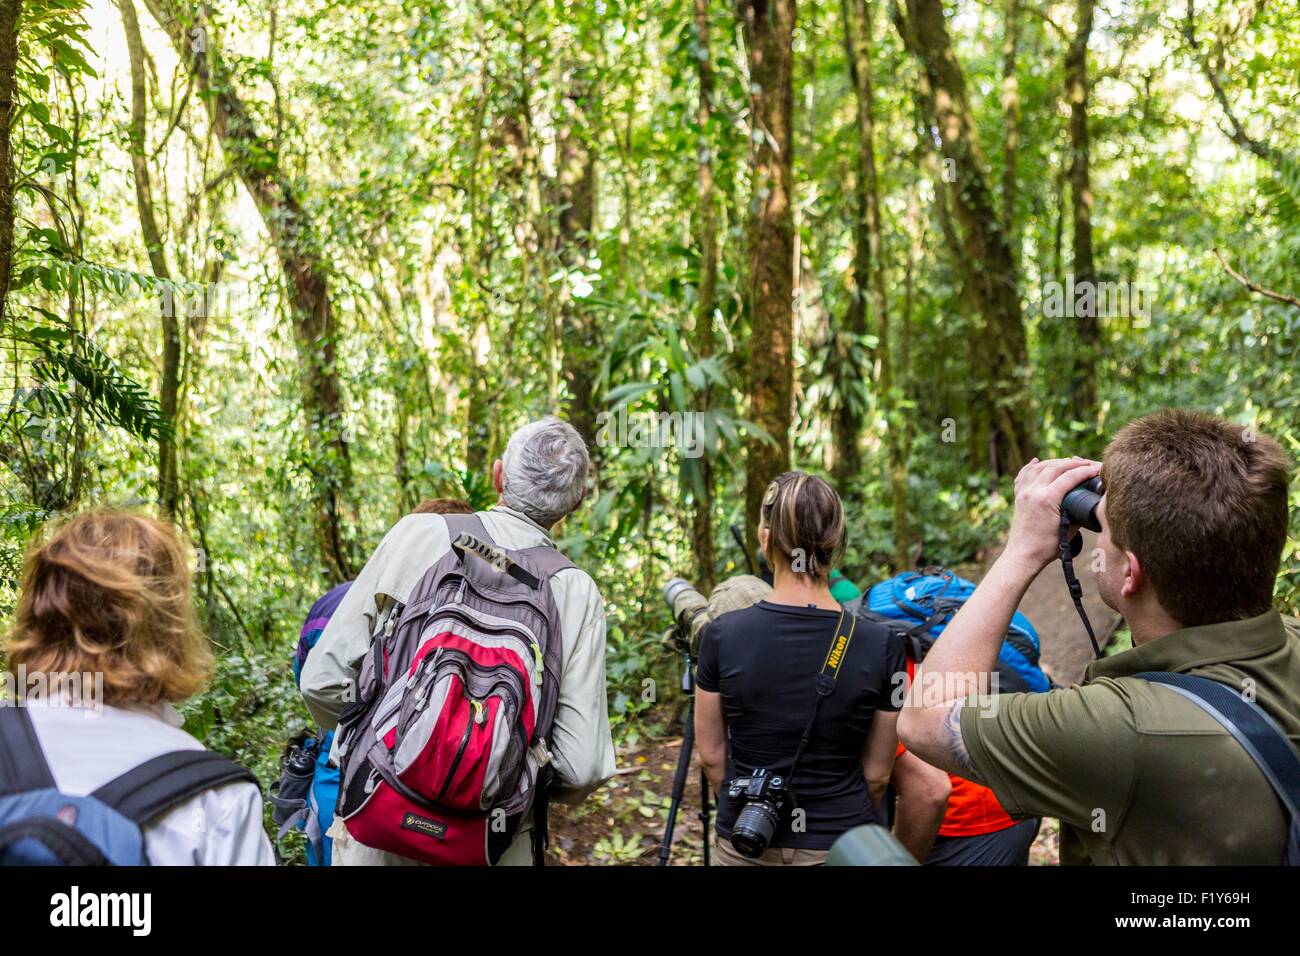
column 540, row 669
column 460, row 593
column 479, row 713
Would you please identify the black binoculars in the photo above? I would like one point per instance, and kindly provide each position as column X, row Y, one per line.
column 1080, row 504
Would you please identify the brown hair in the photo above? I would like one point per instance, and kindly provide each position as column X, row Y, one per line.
column 805, row 522
column 108, row 592
column 443, row 506
column 1203, row 504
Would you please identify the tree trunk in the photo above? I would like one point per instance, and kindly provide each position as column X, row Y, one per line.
column 903, row 551
column 1083, row 377
column 478, row 425
column 847, row 425
column 575, row 197
column 10, row 13
column 168, row 477
column 1010, row 124
column 705, row 341
column 985, row 258
column 303, row 265
column 869, row 272
column 769, row 33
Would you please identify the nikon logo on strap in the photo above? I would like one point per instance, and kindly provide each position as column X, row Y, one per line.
column 837, row 652
column 839, row 646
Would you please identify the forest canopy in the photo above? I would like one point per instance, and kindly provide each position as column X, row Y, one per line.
column 281, row 270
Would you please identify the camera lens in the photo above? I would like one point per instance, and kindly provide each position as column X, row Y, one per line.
column 673, row 589
column 754, row 828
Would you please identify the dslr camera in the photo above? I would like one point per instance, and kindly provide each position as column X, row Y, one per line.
column 766, row 798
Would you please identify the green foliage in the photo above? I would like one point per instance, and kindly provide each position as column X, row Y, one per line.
column 1281, row 187
column 66, row 361
column 616, row 848
column 436, row 153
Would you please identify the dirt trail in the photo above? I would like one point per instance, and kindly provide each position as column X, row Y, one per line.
column 623, row 821
column 1066, row 648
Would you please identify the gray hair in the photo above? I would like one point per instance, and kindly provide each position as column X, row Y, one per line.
column 545, row 470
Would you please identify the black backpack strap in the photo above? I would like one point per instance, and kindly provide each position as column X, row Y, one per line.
column 159, row 784
column 541, row 807
column 1257, row 732
column 68, row 845
column 22, row 762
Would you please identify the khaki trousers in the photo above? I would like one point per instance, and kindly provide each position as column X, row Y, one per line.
column 724, row 854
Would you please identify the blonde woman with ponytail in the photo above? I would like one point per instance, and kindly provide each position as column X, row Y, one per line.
column 757, row 695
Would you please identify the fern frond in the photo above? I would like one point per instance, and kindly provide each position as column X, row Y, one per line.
column 108, row 394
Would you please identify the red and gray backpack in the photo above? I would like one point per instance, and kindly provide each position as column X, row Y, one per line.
column 444, row 751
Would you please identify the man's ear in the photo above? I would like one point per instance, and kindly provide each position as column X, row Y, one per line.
column 1134, row 577
column 499, row 476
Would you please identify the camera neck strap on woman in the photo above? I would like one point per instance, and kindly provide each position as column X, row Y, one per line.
column 827, row 678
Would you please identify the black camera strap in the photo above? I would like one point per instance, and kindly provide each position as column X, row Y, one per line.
column 1069, row 551
column 827, row 678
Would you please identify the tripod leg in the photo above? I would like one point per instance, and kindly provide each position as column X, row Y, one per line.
column 679, row 784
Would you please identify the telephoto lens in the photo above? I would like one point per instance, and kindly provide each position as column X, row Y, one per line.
column 1080, row 504
column 689, row 607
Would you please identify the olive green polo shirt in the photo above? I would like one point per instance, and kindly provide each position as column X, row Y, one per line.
column 1142, row 774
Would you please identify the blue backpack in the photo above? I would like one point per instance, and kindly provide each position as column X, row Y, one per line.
column 304, row 800
column 918, row 605
column 40, row 826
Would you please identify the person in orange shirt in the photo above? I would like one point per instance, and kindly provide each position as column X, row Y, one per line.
column 947, row 820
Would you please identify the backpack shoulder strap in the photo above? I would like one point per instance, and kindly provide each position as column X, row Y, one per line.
column 468, row 534
column 1257, row 732
column 159, row 784
column 22, row 762
column 548, row 559
column 545, row 559
column 471, row 524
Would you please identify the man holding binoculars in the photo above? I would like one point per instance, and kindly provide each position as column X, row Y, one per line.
column 1193, row 518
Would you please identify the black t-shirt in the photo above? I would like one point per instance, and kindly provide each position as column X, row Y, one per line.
column 764, row 661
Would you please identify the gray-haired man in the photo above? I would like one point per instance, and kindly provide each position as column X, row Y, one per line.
column 541, row 478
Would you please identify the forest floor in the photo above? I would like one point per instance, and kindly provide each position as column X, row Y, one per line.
column 623, row 822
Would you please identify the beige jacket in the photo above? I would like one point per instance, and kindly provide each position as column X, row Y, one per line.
column 580, row 739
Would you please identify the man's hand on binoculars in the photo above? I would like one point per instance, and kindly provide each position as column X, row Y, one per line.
column 1034, row 540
